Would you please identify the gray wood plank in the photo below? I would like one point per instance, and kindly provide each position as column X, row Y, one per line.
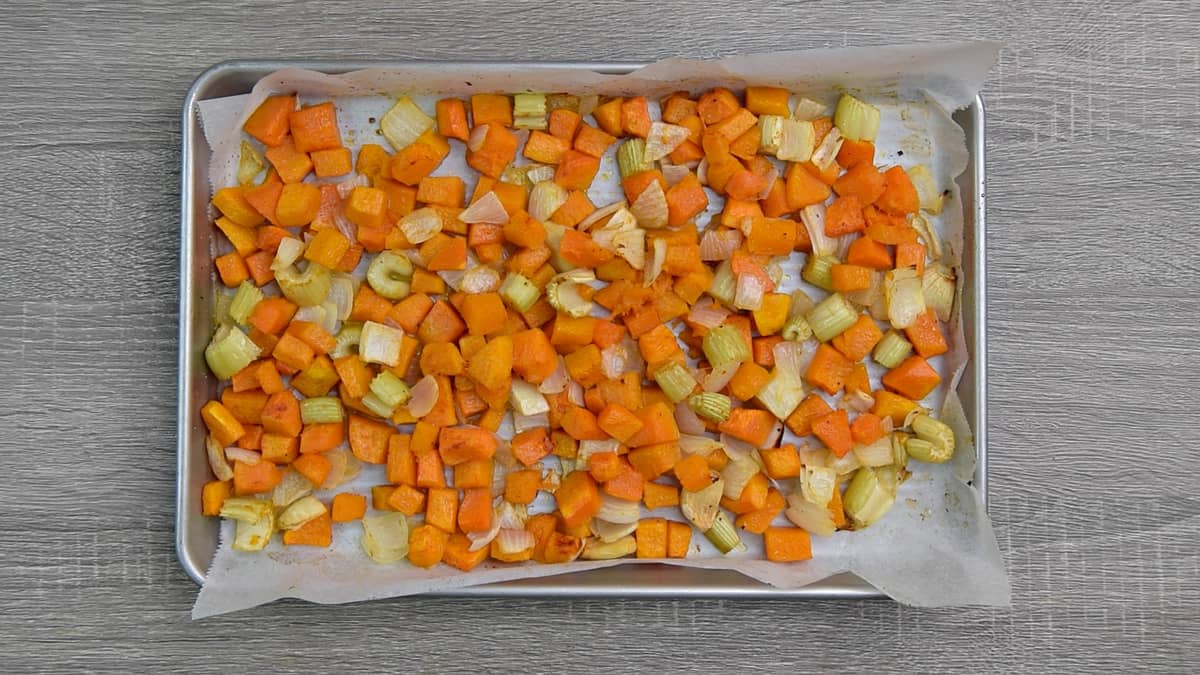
column 1093, row 286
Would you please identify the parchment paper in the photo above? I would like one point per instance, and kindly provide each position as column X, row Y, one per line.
column 936, row 545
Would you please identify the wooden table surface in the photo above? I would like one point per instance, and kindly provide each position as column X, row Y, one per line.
column 1092, row 186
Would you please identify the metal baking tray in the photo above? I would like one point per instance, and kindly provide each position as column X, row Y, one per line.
column 196, row 536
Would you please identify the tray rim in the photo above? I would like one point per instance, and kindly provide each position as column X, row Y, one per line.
column 553, row 586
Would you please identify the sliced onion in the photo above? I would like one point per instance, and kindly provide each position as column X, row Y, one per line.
column 620, row 511
column 511, row 542
column 539, row 173
column 692, row 445
column 344, row 188
column 420, row 225
column 673, row 173
column 575, row 393
column 620, row 358
column 737, row 475
column 844, row 464
column 289, row 251
column 650, row 208
column 424, row 396
column 749, row 292
column 904, row 296
column 773, row 436
column 657, row 258
column 817, row 483
column 527, row 422
column 348, row 229
column 587, row 448
column 480, row 279
column 662, row 140
column 810, row 456
column 477, row 137
column 688, row 421
column 344, row 467
column 545, row 198
column 511, row 516
column 719, row 244
column 341, row 294
column 813, row 218
column 609, row 532
column 875, row 454
column 488, row 210
column 236, row 454
column 702, row 171
column 858, row 401
column 216, row 459
column 598, row 215
column 291, row 487
column 771, row 177
column 720, row 376
column 808, row 349
column 707, row 313
column 557, row 381
column 805, row 514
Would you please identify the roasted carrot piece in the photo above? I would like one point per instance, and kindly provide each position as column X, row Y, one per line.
column 368, row 439
column 892, row 406
column 426, row 545
column 491, row 109
column 249, row 479
column 750, row 425
column 863, row 181
column 521, row 487
column 866, row 428
column 652, row 538
column 828, row 369
column 898, row 196
column 787, row 544
column 925, row 335
column 269, row 121
column 452, row 118
column 657, row 495
column 859, row 339
column 914, row 378
column 316, row 532
column 753, row 496
column 782, row 462
column 833, row 429
column 460, row 444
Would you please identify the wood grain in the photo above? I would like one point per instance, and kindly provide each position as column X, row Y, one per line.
column 1093, row 288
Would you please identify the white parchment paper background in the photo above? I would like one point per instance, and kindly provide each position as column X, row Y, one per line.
column 935, row 547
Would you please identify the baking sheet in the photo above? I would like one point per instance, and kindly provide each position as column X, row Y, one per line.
column 956, row 542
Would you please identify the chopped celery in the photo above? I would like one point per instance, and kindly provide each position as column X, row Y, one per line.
column 818, row 271
column 347, row 340
column 385, row 537
column 306, row 288
column 300, row 512
column 322, row 410
column 867, row 499
column 725, row 344
column 770, row 133
column 230, row 351
column 891, row 350
column 247, row 296
column 711, row 406
column 390, row 389
column 404, row 122
column 934, row 442
column 724, row 284
column 857, row 121
column 631, row 157
column 562, row 292
column 520, row 293
column 529, row 111
column 675, row 381
column 724, row 535
column 796, row 329
column 250, row 164
column 376, row 405
column 380, row 344
column 831, row 316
